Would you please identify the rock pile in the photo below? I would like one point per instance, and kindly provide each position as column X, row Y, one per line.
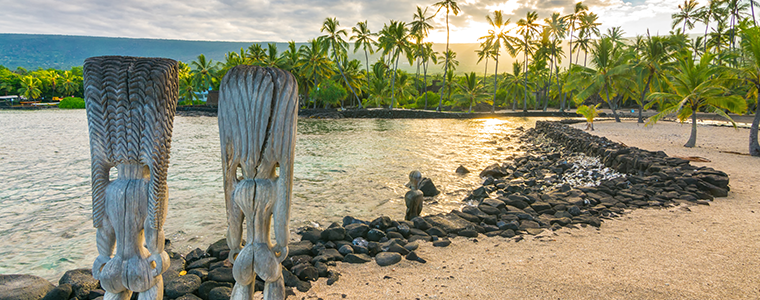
column 567, row 178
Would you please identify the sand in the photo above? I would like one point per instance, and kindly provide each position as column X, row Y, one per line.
column 685, row 252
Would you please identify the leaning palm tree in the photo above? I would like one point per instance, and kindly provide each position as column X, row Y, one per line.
column 364, row 39
column 334, row 39
column 687, row 15
column 696, row 85
column 470, row 90
column 451, row 7
column 611, row 71
column 750, row 72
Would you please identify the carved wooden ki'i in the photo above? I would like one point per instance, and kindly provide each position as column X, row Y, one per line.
column 130, row 111
column 257, row 128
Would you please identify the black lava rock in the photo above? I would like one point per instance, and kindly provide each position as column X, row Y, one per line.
column 25, row 287
column 182, row 285
column 387, row 258
column 81, row 282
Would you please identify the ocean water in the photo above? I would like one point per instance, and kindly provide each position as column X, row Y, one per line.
column 354, row 167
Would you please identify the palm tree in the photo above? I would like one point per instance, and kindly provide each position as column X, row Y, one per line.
column 688, row 15
column 30, row 87
column 428, row 55
column 363, row 39
column 290, row 58
column 255, row 53
column 51, row 77
column 396, row 41
column 334, row 39
column 451, row 65
column 556, row 27
column 69, row 83
column 750, row 72
column 574, row 21
column 589, row 112
column 589, row 28
column 485, row 52
column 203, row 71
column 495, row 37
column 654, row 61
column 187, row 89
column 420, row 29
column 451, row 7
column 353, row 75
column 611, row 71
column 470, row 90
column 515, row 84
column 528, row 28
column 696, row 86
column 314, row 63
column 711, row 11
column 272, row 59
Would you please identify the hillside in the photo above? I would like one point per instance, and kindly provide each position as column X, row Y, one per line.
column 32, row 51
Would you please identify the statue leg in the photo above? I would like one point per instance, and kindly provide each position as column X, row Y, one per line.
column 154, row 293
column 245, row 277
column 274, row 289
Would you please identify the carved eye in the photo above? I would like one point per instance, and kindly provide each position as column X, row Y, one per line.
column 276, row 171
column 239, row 173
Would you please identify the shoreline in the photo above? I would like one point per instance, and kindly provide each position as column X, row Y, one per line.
column 437, row 256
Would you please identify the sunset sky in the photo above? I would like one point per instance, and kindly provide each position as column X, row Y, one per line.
column 284, row 20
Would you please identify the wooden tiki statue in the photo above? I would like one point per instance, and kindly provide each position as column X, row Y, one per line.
column 257, row 128
column 130, row 111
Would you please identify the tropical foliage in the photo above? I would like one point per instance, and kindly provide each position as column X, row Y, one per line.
column 554, row 58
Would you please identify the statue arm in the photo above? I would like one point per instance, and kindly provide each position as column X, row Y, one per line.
column 106, row 242
column 155, row 242
column 234, row 231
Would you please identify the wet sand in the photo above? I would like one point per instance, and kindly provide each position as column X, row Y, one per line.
column 685, row 252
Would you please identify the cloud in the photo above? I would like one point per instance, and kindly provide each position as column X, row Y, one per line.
column 282, row 20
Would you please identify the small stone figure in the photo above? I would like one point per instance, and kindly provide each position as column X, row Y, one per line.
column 414, row 197
column 130, row 112
column 258, row 110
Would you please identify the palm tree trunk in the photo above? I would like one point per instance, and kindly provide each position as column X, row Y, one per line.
column 417, row 82
column 707, row 27
column 525, row 100
column 393, row 81
column 752, row 6
column 315, row 86
column 754, row 147
column 495, row 81
column 643, row 93
column 693, row 138
column 424, row 82
column 612, row 105
column 335, row 54
column 445, row 63
column 571, row 46
column 366, row 58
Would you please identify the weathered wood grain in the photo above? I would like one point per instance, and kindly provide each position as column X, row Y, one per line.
column 130, row 106
column 257, row 129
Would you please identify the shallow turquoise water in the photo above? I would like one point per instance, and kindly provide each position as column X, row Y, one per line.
column 343, row 167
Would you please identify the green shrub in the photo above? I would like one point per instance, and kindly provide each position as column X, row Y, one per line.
column 329, row 92
column 71, row 103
